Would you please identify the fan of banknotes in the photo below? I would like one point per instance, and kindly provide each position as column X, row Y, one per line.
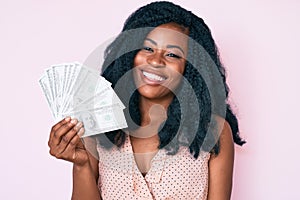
column 74, row 90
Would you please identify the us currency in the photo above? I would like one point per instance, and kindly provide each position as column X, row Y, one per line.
column 44, row 84
column 105, row 98
column 82, row 89
column 49, row 75
column 101, row 120
column 87, row 87
column 72, row 76
column 59, row 77
column 73, row 89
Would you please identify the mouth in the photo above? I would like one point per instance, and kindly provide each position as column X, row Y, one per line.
column 153, row 77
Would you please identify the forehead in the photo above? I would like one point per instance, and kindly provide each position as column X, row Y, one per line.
column 170, row 33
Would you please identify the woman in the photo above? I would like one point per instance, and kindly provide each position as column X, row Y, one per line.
column 181, row 130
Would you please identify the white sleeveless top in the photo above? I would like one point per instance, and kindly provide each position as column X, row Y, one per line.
column 178, row 176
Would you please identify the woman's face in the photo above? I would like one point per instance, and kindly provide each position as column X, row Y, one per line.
column 159, row 65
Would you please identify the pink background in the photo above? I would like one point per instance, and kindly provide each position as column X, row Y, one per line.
column 258, row 42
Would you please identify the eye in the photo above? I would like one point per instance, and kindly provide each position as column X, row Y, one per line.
column 172, row 55
column 149, row 49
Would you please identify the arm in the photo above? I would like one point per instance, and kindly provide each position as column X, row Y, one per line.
column 85, row 176
column 65, row 143
column 221, row 167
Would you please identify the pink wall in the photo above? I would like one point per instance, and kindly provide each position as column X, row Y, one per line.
column 258, row 42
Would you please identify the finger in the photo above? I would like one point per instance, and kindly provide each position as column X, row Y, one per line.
column 80, row 134
column 71, row 148
column 57, row 126
column 67, row 138
column 69, row 152
column 60, row 123
column 63, row 130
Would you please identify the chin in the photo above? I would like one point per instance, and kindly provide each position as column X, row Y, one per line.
column 155, row 93
column 147, row 92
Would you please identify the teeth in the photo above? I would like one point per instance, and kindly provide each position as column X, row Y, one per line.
column 153, row 76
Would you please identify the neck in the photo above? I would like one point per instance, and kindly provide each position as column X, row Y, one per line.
column 153, row 111
column 153, row 114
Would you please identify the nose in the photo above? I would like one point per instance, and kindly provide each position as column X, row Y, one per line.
column 156, row 59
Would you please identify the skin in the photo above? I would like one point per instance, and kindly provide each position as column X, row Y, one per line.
column 65, row 143
column 221, row 166
column 164, row 53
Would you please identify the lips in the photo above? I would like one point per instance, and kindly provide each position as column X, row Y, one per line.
column 152, row 78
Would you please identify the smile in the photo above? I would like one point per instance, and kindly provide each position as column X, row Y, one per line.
column 153, row 77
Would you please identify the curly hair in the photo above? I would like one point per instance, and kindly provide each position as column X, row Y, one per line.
column 182, row 120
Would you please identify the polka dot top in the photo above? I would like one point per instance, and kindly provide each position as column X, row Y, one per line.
column 178, row 176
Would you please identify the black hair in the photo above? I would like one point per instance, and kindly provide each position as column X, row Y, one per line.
column 119, row 58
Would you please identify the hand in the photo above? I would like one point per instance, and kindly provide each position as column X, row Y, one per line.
column 65, row 142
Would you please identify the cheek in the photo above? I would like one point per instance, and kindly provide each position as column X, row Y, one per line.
column 177, row 74
column 136, row 76
column 178, row 69
column 182, row 67
column 138, row 60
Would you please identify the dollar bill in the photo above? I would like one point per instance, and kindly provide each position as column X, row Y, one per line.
column 100, row 120
column 72, row 89
column 59, row 76
column 44, row 84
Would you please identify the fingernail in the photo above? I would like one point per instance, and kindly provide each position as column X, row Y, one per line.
column 74, row 121
column 81, row 132
column 79, row 125
column 67, row 118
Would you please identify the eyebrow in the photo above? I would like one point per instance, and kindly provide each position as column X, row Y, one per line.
column 168, row 46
